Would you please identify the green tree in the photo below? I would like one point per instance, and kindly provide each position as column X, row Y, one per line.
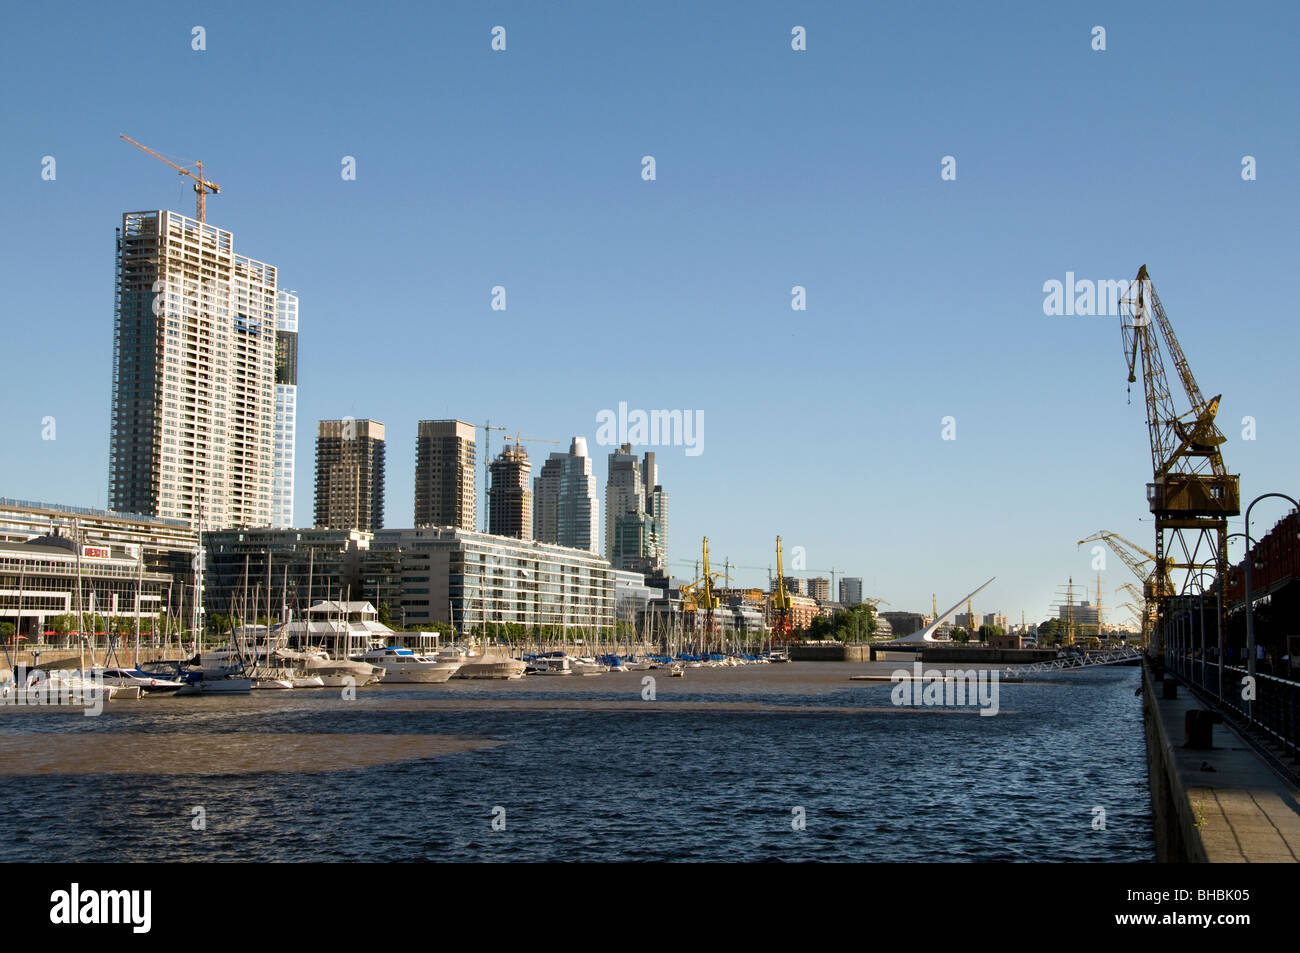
column 6, row 631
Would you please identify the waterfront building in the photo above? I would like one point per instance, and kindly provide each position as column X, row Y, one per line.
column 167, row 546
column 350, row 474
column 466, row 578
column 565, row 507
column 851, row 591
column 802, row 611
column 995, row 619
column 194, row 353
column 298, row 567
column 819, row 588
column 632, row 599
column 444, row 474
column 343, row 628
column 510, row 494
column 51, row 576
column 286, row 409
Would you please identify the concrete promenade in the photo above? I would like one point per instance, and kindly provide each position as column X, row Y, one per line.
column 1218, row 805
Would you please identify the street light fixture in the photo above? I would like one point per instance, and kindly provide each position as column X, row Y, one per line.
column 1199, row 578
column 1250, row 615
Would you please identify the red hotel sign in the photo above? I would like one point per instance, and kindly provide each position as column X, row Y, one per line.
column 96, row 552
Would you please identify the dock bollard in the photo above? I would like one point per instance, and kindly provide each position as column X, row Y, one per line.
column 1198, row 725
column 1170, row 689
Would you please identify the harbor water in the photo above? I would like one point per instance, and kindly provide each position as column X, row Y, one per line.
column 775, row 762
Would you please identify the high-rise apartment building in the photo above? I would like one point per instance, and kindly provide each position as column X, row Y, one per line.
column 851, row 591
column 633, row 496
column 565, row 508
column 510, row 495
column 444, row 474
column 286, row 408
column 819, row 588
column 350, row 474
column 657, row 507
column 194, row 350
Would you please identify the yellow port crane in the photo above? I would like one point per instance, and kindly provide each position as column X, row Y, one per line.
column 1191, row 493
column 1156, row 582
column 782, row 626
column 698, row 596
column 202, row 186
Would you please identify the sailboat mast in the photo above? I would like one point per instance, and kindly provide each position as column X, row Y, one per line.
column 197, row 608
column 81, row 624
column 139, row 586
column 311, row 567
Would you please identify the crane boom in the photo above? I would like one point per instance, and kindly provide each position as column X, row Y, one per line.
column 1191, row 493
column 202, row 186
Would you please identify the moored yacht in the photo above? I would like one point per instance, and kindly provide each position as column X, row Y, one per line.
column 405, row 666
column 149, row 683
column 553, row 663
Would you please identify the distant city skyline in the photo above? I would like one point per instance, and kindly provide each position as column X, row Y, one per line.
column 924, row 296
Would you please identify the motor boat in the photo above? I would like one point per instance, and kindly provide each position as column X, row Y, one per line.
column 553, row 663
column 401, row 665
column 589, row 666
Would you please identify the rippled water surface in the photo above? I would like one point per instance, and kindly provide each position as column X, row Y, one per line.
column 586, row 769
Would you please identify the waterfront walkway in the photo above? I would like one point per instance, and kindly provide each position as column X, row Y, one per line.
column 1224, row 804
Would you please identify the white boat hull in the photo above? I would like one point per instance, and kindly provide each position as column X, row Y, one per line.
column 420, row 676
column 492, row 667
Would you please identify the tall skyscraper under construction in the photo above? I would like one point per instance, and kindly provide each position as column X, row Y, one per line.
column 194, row 369
column 510, row 495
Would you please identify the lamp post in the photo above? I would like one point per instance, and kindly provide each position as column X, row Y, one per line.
column 1222, row 647
column 1250, row 615
column 1200, row 581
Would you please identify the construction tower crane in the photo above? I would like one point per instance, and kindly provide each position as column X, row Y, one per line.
column 1191, row 493
column 487, row 462
column 202, row 186
column 518, row 439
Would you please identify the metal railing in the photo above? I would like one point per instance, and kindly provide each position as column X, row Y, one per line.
column 1119, row 656
column 1271, row 705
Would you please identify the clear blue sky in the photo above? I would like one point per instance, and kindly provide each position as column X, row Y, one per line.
column 775, row 168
